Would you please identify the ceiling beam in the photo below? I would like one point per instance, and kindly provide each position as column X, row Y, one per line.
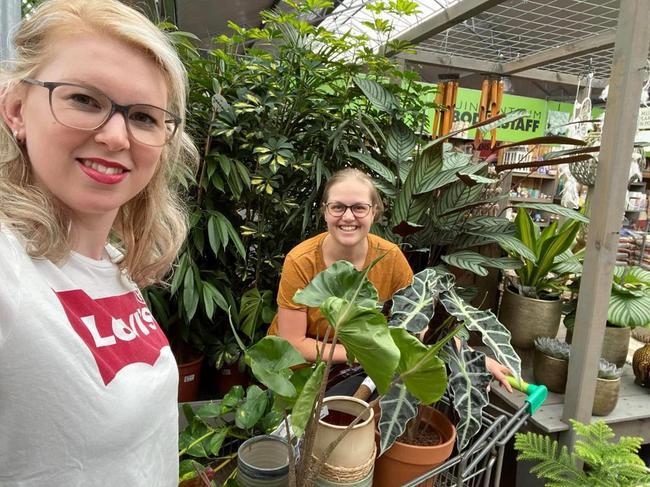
column 560, row 53
column 445, row 19
column 478, row 66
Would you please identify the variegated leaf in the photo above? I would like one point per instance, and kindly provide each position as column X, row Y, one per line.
column 453, row 159
column 493, row 333
column 400, row 142
column 628, row 310
column 557, row 209
column 413, row 307
column 468, row 381
column 379, row 96
column 477, row 263
column 447, row 176
column 398, row 407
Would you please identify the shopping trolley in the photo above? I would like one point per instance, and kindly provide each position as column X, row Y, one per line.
column 481, row 462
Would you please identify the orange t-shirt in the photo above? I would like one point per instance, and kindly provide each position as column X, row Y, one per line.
column 305, row 260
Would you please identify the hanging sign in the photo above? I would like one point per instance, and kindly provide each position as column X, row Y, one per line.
column 644, row 119
column 534, row 125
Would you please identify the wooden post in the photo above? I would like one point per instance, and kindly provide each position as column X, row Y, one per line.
column 9, row 19
column 631, row 50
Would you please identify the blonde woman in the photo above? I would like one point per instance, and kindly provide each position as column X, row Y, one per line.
column 91, row 137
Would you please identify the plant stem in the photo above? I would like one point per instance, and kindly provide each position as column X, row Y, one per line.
column 196, row 442
column 292, row 460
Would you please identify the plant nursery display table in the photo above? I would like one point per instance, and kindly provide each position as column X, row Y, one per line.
column 630, row 417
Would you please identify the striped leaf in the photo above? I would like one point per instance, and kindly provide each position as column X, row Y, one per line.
column 398, row 407
column 413, row 306
column 425, row 166
column 379, row 96
column 551, row 248
column 493, row 333
column 438, row 180
column 557, row 209
column 510, row 244
column 468, row 382
column 477, row 263
column 400, row 142
column 453, row 159
column 626, row 310
column 374, row 165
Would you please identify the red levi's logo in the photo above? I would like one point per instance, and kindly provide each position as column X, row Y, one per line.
column 118, row 330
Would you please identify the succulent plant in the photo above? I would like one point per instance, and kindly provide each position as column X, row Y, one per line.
column 607, row 370
column 553, row 347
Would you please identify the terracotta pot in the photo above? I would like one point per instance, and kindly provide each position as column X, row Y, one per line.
column 615, row 344
column 357, row 447
column 550, row 371
column 229, row 376
column 529, row 318
column 641, row 365
column 606, row 396
column 189, row 376
column 403, row 463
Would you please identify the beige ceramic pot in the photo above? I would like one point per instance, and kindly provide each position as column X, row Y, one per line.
column 529, row 318
column 358, row 446
column 606, row 396
column 550, row 371
column 615, row 344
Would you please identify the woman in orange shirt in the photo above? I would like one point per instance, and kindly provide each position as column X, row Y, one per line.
column 350, row 205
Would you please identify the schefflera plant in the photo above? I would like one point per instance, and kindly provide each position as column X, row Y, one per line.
column 406, row 371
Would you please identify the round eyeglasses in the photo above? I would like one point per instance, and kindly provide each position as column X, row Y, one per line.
column 359, row 210
column 84, row 108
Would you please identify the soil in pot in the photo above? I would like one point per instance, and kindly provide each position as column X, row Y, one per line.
column 427, row 436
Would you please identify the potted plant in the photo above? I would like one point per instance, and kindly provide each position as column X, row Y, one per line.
column 531, row 305
column 551, row 363
column 641, row 358
column 608, row 463
column 629, row 307
column 608, row 385
column 407, row 372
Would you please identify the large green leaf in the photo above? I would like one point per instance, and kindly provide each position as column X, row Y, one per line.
column 493, row 333
column 400, row 142
column 365, row 335
column 477, row 263
column 628, row 310
column 468, row 382
column 302, row 409
column 341, row 280
column 270, row 360
column 447, row 176
column 551, row 248
column 557, row 209
column 526, row 232
column 398, row 407
column 375, row 165
column 252, row 310
column 413, row 306
column 379, row 96
column 509, row 243
column 453, row 159
column 420, row 368
column 426, row 166
column 252, row 409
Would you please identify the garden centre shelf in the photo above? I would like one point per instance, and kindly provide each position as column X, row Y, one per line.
column 630, row 417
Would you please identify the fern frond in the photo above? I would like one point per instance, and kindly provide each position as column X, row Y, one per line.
column 555, row 464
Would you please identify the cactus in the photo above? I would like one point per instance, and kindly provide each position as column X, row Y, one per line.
column 553, row 347
column 608, row 370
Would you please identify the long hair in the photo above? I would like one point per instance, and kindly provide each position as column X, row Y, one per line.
column 151, row 227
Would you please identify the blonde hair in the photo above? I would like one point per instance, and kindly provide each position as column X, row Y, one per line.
column 351, row 173
column 151, row 227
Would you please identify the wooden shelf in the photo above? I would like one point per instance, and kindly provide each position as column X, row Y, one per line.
column 532, row 176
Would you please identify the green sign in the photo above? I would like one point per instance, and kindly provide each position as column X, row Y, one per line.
column 534, row 125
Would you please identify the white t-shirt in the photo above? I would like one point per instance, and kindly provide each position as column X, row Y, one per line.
column 88, row 383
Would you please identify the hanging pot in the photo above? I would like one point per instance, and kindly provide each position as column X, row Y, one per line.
column 529, row 318
column 263, row 461
column 403, row 462
column 550, row 371
column 606, row 396
column 352, row 461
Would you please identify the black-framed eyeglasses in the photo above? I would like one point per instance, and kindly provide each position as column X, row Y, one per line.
column 337, row 209
column 84, row 108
